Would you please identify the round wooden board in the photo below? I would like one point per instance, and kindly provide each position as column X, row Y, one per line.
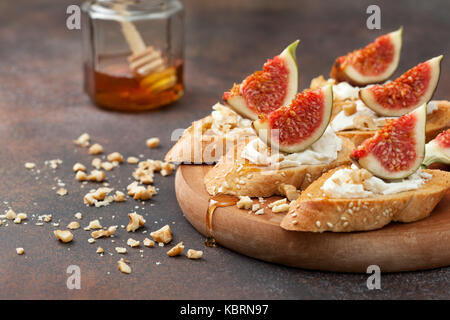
column 397, row 247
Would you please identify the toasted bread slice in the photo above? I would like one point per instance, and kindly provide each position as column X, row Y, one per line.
column 199, row 144
column 315, row 213
column 235, row 175
column 437, row 122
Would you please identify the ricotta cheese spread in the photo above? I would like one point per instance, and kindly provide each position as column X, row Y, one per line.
column 344, row 91
column 227, row 122
column 342, row 185
column 323, row 151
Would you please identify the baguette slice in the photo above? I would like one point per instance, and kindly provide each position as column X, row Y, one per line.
column 198, row 145
column 315, row 213
column 437, row 122
column 235, row 175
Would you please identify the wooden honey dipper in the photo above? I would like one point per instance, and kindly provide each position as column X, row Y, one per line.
column 147, row 62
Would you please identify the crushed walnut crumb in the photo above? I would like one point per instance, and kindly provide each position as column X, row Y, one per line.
column 30, row 165
column 95, row 149
column 102, row 233
column 115, row 156
column 140, row 192
column 133, row 243
column 121, row 250
column 97, row 176
column 83, row 140
column 19, row 217
column 132, row 160
column 152, row 142
column 108, row 166
column 244, row 202
column 163, row 235
column 10, row 214
column 78, row 167
column 123, row 266
column 73, row 225
column 281, row 208
column 194, row 254
column 63, row 235
column 100, row 250
column 119, row 196
column 149, row 243
column 62, row 191
column 94, row 224
column 136, row 221
column 81, row 176
column 176, row 251
column 20, row 251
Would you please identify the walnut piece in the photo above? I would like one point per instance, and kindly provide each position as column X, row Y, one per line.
column 136, row 221
column 20, row 251
column 81, row 176
column 73, row 225
column 108, row 166
column 132, row 160
column 63, row 235
column 100, row 250
column 119, row 196
column 320, row 81
column 10, row 214
column 364, row 122
column 133, row 243
column 121, row 250
column 167, row 169
column 102, row 233
column 97, row 176
column 280, row 208
column 244, row 202
column 78, row 167
column 176, row 251
column 152, row 142
column 30, row 165
column 96, row 163
column 194, row 254
column 95, row 149
column 115, row 156
column 83, row 140
column 62, row 191
column 163, row 235
column 349, row 108
column 149, row 243
column 140, row 192
column 94, row 224
column 277, row 203
column 123, row 266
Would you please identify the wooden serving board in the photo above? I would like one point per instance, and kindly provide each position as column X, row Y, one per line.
column 397, row 247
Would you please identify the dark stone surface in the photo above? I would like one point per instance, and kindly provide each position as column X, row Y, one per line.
column 42, row 108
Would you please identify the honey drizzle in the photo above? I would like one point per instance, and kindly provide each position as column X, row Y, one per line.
column 217, row 201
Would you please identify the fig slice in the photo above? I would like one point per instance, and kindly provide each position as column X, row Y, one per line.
column 267, row 90
column 295, row 127
column 397, row 149
column 372, row 64
column 438, row 149
column 412, row 89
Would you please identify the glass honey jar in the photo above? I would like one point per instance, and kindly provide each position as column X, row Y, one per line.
column 133, row 53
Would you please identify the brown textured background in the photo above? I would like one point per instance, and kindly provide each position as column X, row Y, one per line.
column 42, row 108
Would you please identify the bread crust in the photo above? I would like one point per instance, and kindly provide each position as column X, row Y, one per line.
column 196, row 147
column 437, row 122
column 234, row 175
column 313, row 212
